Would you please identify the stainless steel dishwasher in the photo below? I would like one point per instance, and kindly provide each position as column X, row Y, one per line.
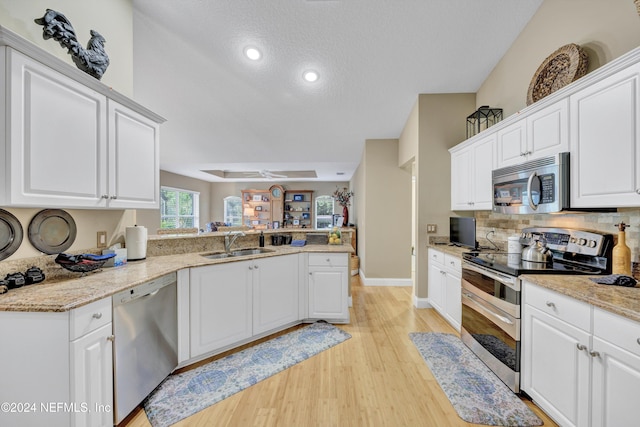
column 145, row 349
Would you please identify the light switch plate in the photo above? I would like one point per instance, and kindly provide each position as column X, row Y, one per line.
column 102, row 239
column 432, row 228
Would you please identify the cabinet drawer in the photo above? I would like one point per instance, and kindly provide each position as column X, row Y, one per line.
column 436, row 256
column 453, row 263
column 623, row 332
column 89, row 317
column 572, row 311
column 329, row 260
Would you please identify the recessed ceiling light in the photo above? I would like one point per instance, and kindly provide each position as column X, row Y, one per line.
column 252, row 53
column 310, row 76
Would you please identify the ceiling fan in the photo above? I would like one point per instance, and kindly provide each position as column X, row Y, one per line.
column 263, row 173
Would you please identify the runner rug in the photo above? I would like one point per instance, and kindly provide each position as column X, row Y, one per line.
column 184, row 394
column 475, row 392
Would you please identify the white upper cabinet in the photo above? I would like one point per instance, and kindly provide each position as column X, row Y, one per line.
column 471, row 168
column 56, row 144
column 605, row 136
column 134, row 159
column 68, row 144
column 542, row 133
column 511, row 144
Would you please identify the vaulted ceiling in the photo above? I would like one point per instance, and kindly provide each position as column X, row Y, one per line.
column 227, row 114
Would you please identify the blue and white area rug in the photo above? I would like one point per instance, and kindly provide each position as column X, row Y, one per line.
column 182, row 395
column 475, row 392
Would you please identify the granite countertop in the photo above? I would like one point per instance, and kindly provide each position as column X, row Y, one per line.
column 59, row 296
column 616, row 299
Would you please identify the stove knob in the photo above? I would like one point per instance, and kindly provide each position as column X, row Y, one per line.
column 582, row 242
column 572, row 240
column 592, row 243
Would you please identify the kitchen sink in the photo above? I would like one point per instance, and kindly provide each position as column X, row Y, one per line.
column 237, row 253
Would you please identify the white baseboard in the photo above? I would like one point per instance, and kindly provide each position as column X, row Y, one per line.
column 384, row 282
column 421, row 302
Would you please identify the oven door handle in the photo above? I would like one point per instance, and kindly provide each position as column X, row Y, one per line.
column 486, row 310
column 509, row 281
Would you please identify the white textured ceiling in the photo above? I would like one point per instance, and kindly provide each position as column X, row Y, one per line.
column 227, row 113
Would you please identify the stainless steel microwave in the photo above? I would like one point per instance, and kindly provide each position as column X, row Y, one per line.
column 538, row 186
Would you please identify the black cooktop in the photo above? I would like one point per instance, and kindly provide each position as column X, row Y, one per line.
column 512, row 263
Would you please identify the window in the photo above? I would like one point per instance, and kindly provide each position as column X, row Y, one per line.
column 233, row 210
column 324, row 212
column 179, row 208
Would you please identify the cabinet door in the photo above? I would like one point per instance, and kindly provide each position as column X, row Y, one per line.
column 481, row 178
column 134, row 159
column 460, row 177
column 92, row 378
column 453, row 300
column 275, row 292
column 616, row 381
column 220, row 306
column 57, row 139
column 604, row 142
column 435, row 285
column 329, row 293
column 556, row 367
column 511, row 145
column 548, row 131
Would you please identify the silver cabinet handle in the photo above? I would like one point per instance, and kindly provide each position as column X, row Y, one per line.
column 250, row 267
column 594, row 354
column 104, row 196
column 638, row 340
column 113, row 197
column 97, row 315
column 255, row 267
column 638, row 191
column 581, row 347
column 550, row 304
column 111, row 338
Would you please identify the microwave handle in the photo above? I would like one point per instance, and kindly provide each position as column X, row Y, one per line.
column 529, row 194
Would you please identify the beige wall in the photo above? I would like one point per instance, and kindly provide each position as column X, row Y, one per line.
column 113, row 19
column 441, row 125
column 383, row 192
column 606, row 29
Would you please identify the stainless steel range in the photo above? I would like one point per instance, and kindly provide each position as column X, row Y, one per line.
column 491, row 290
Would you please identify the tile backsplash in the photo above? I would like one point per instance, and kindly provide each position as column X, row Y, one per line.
column 507, row 225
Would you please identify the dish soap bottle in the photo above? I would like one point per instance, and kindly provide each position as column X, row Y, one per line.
column 261, row 239
column 621, row 253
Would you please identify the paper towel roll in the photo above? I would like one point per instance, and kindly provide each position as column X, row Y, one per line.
column 136, row 240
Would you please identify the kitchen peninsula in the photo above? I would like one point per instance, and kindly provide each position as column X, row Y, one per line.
column 62, row 335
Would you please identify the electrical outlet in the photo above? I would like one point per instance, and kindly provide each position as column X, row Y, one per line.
column 431, row 228
column 102, row 239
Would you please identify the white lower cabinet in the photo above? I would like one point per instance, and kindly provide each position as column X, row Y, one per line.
column 234, row 301
column 328, row 289
column 444, row 286
column 58, row 368
column 579, row 374
column 275, row 292
column 220, row 308
column 92, row 377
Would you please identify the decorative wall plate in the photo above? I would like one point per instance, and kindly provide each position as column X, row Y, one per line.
column 562, row 67
column 10, row 234
column 52, row 231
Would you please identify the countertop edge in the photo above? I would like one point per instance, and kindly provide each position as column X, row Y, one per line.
column 66, row 295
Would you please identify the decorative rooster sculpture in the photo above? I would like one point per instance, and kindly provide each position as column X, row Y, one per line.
column 93, row 60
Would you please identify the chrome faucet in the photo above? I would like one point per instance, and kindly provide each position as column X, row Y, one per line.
column 230, row 238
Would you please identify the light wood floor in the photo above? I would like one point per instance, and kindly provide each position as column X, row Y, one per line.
column 376, row 378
